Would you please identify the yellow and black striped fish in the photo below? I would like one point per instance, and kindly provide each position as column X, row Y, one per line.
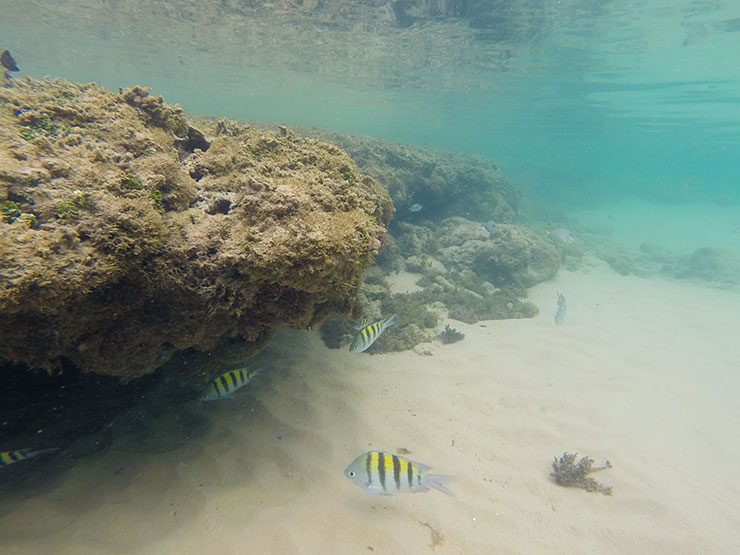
column 368, row 334
column 379, row 472
column 227, row 383
column 11, row 457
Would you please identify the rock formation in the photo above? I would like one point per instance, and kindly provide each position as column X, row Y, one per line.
column 127, row 234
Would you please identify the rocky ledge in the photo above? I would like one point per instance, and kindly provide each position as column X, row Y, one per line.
column 129, row 232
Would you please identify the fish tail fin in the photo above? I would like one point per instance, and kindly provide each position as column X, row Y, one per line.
column 389, row 321
column 438, row 481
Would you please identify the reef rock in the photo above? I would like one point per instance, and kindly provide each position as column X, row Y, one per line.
column 129, row 232
column 515, row 256
column 442, row 184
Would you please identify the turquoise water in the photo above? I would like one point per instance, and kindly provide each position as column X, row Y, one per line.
column 589, row 100
column 617, row 119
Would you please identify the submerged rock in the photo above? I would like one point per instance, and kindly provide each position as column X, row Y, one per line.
column 129, row 232
column 517, row 256
column 444, row 183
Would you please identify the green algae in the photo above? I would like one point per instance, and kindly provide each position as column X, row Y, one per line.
column 349, row 177
column 10, row 211
column 158, row 199
column 35, row 124
column 67, row 211
column 132, row 183
column 30, row 220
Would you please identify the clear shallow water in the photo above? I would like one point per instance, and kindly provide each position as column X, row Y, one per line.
column 578, row 99
column 587, row 106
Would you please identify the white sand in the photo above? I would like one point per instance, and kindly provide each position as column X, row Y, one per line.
column 644, row 373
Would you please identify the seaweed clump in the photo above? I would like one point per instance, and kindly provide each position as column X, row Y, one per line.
column 566, row 472
column 450, row 335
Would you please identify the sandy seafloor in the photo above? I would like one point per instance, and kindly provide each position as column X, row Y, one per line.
column 644, row 373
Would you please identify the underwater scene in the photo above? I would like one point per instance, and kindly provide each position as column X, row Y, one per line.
column 369, row 276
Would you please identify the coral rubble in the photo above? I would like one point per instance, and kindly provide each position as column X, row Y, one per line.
column 129, row 232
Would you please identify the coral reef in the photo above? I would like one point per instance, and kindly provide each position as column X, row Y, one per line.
column 517, row 257
column 444, row 184
column 471, row 270
column 566, row 472
column 128, row 235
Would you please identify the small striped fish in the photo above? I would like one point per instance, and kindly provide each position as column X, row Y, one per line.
column 11, row 457
column 227, row 383
column 370, row 333
column 562, row 307
column 382, row 473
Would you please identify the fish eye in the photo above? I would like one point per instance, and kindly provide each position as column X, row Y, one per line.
column 351, row 473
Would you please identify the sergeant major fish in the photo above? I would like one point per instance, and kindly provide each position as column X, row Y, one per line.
column 11, row 457
column 227, row 383
column 370, row 333
column 379, row 472
column 562, row 307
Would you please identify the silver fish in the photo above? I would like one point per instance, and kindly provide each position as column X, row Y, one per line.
column 379, row 472
column 227, row 383
column 370, row 333
column 11, row 457
column 562, row 307
column 416, row 207
column 561, row 236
